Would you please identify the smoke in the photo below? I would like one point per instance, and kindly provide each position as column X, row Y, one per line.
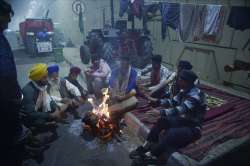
column 27, row 9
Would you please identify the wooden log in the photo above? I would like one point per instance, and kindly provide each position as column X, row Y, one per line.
column 123, row 107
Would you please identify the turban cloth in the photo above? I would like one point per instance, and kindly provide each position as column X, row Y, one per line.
column 38, row 71
column 75, row 70
column 53, row 68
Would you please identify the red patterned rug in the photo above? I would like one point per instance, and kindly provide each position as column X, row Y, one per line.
column 228, row 118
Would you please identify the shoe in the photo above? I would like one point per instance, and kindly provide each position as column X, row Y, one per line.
column 34, row 143
column 147, row 160
column 138, row 162
column 138, row 153
column 31, row 152
column 46, row 138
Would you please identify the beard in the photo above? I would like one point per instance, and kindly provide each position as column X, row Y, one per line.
column 54, row 82
column 42, row 83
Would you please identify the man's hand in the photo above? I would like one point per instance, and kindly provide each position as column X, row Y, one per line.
column 88, row 72
column 75, row 103
column 50, row 124
column 57, row 115
column 166, row 112
column 153, row 101
column 153, row 89
column 118, row 98
column 66, row 101
column 141, row 88
column 81, row 100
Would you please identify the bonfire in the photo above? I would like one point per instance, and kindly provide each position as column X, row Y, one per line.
column 98, row 122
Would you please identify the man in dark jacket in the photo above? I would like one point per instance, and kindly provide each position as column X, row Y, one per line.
column 181, row 120
column 10, row 95
column 35, row 102
column 72, row 78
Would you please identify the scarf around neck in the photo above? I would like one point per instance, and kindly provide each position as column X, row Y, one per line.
column 41, row 102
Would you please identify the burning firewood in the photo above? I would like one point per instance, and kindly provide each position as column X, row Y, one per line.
column 102, row 121
column 100, row 127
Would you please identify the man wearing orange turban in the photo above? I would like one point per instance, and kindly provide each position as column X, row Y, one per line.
column 35, row 100
column 38, row 72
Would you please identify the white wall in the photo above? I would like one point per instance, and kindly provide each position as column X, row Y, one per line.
column 203, row 63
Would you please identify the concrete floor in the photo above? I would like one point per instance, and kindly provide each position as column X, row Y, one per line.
column 70, row 149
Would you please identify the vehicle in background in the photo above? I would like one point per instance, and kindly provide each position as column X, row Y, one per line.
column 37, row 35
column 111, row 43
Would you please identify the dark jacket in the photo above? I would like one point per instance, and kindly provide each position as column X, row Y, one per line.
column 190, row 105
column 9, row 88
column 33, row 117
column 10, row 94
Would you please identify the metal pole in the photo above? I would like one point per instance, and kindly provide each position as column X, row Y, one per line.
column 112, row 13
column 133, row 22
column 209, row 45
column 103, row 17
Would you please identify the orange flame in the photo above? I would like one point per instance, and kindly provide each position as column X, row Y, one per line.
column 102, row 109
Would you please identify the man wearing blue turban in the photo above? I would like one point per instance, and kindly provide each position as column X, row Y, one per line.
column 63, row 92
column 53, row 69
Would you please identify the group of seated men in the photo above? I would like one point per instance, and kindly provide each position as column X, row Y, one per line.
column 43, row 102
column 177, row 92
column 121, row 80
column 180, row 123
column 47, row 97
